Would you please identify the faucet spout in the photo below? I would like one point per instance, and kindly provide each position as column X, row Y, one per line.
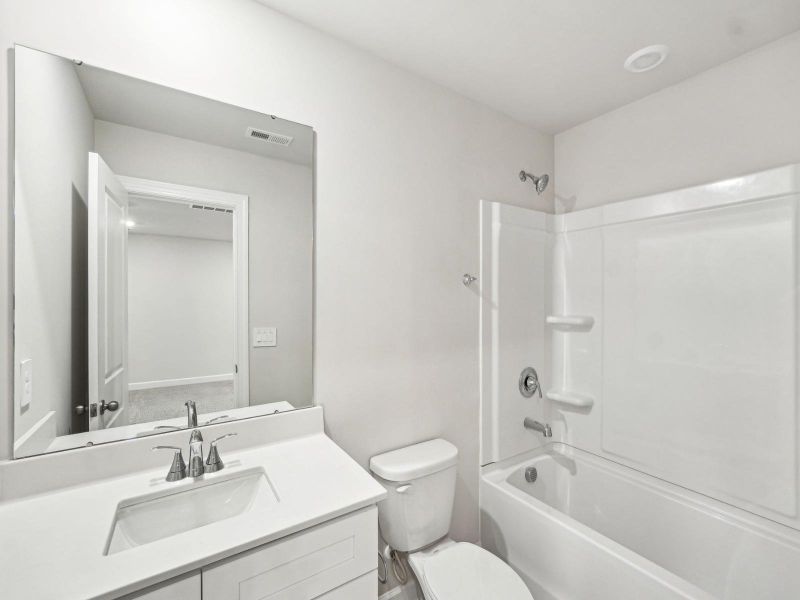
column 196, row 467
column 191, row 413
column 542, row 428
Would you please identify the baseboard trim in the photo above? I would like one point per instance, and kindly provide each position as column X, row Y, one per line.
column 148, row 385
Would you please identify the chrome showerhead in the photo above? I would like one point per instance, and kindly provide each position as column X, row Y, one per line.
column 540, row 183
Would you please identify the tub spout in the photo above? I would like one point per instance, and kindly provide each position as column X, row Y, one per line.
column 544, row 429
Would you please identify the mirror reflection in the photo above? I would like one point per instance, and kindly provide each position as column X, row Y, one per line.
column 162, row 255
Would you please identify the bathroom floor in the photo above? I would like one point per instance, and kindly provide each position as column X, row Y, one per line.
column 168, row 402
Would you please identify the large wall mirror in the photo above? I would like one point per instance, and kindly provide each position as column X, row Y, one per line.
column 163, row 256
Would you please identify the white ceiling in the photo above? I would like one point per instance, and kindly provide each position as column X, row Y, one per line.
column 120, row 99
column 550, row 63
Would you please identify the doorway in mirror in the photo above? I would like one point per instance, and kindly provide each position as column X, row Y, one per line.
column 187, row 300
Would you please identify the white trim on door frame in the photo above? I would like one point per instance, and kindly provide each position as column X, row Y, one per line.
column 185, row 194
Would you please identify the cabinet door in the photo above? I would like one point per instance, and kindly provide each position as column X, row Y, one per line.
column 363, row 588
column 301, row 566
column 185, row 587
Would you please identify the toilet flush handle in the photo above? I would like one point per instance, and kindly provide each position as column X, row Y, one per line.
column 402, row 489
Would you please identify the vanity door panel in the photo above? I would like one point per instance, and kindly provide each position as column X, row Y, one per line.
column 302, row 566
column 363, row 588
column 185, row 587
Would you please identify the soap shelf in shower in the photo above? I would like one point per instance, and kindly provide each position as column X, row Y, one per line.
column 571, row 322
column 571, row 398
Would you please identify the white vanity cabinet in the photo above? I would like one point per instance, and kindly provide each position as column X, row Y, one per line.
column 299, row 522
column 306, row 565
column 335, row 560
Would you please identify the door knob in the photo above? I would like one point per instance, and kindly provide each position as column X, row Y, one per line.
column 112, row 406
column 79, row 409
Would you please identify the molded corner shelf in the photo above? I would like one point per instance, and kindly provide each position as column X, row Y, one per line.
column 571, row 322
column 571, row 398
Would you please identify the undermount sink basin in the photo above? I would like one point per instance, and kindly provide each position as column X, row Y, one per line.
column 149, row 518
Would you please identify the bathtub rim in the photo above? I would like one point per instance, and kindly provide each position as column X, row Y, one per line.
column 602, row 543
column 495, row 476
column 497, row 473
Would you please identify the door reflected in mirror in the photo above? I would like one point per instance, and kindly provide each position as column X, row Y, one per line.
column 163, row 258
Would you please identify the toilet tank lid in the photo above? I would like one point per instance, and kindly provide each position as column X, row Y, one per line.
column 414, row 461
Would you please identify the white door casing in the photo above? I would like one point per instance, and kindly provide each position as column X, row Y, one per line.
column 238, row 203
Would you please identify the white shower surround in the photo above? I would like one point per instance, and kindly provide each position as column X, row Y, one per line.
column 676, row 391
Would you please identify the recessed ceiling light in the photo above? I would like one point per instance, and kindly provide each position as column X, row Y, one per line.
column 646, row 58
column 130, row 224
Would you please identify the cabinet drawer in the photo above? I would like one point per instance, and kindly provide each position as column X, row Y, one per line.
column 299, row 567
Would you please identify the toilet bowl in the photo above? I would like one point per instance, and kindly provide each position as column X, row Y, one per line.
column 458, row 570
column 415, row 518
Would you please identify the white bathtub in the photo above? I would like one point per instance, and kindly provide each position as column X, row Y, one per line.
column 590, row 529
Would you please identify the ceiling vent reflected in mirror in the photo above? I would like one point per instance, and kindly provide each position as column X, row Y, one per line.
column 214, row 208
column 269, row 137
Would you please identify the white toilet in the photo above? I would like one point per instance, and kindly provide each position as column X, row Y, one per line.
column 415, row 518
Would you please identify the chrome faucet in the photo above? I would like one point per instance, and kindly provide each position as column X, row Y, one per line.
column 213, row 463
column 191, row 414
column 542, row 428
column 191, row 418
column 196, row 467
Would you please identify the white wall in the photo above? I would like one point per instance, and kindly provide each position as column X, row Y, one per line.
column 54, row 136
column 401, row 165
column 180, row 307
column 734, row 119
column 280, row 252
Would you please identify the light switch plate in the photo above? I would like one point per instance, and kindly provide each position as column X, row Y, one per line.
column 265, row 337
column 26, row 377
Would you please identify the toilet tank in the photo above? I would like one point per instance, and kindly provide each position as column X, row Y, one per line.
column 420, row 481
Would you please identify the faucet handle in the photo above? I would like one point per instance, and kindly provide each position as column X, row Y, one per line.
column 214, row 462
column 177, row 469
column 222, row 437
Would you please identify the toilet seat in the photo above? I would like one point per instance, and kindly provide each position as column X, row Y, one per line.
column 462, row 571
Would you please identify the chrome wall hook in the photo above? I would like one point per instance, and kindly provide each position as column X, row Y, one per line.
column 468, row 279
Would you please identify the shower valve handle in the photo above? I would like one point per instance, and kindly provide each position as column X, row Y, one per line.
column 529, row 382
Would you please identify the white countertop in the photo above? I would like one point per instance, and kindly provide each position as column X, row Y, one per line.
column 51, row 544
